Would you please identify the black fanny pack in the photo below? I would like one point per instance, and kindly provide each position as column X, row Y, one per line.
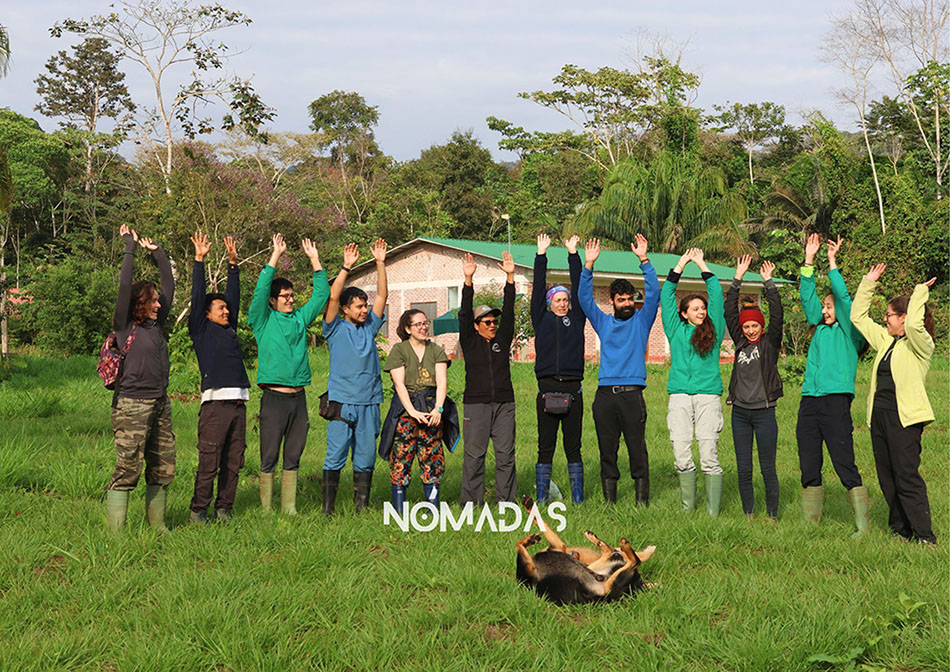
column 330, row 410
column 557, row 403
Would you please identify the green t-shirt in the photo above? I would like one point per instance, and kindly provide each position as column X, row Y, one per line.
column 419, row 375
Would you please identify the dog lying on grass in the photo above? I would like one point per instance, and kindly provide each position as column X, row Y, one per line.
column 573, row 575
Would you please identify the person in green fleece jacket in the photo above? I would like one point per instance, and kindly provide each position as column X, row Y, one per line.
column 898, row 407
column 695, row 330
column 825, row 411
column 283, row 369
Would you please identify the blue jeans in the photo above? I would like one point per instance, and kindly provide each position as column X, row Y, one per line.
column 761, row 424
column 357, row 432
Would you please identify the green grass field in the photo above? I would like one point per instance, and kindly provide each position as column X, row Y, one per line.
column 269, row 592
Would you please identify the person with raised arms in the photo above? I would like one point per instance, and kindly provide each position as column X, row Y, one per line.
column 489, row 398
column 695, row 330
column 755, row 385
column 898, row 407
column 225, row 389
column 558, row 321
column 828, row 388
column 354, row 383
column 141, row 410
column 283, row 369
column 619, row 407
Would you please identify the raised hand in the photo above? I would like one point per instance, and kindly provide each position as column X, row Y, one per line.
column 351, row 254
column 742, row 265
column 148, row 244
column 379, row 250
column 685, row 258
column 202, row 245
column 833, row 247
column 591, row 252
column 507, row 263
column 124, row 230
column 766, row 270
column 930, row 283
column 571, row 244
column 544, row 242
column 639, row 247
column 874, row 274
column 231, row 247
column 279, row 245
column 697, row 255
column 812, row 245
column 311, row 251
column 468, row 266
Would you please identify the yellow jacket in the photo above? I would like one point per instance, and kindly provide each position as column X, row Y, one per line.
column 910, row 360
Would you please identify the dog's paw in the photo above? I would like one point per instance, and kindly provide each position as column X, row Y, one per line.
column 532, row 540
column 527, row 502
column 625, row 548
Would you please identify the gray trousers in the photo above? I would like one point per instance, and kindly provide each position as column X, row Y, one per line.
column 495, row 421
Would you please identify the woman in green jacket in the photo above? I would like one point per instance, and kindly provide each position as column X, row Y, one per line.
column 695, row 329
column 824, row 415
column 898, row 407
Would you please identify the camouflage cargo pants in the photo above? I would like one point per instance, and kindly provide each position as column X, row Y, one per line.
column 143, row 430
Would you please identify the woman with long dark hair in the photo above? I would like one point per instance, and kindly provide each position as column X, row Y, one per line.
column 898, row 407
column 695, row 329
column 824, row 415
column 413, row 426
column 141, row 410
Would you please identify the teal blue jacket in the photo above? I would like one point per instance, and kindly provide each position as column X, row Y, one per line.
column 282, row 337
column 833, row 352
column 690, row 373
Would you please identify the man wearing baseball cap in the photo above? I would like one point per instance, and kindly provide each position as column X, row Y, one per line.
column 489, row 399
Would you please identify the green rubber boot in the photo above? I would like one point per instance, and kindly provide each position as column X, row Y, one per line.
column 713, row 493
column 688, row 490
column 155, row 498
column 267, row 490
column 288, row 492
column 861, row 507
column 117, row 507
column 813, row 498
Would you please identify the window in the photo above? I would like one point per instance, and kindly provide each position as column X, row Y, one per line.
column 428, row 307
column 453, row 298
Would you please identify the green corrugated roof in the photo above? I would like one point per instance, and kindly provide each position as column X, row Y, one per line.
column 609, row 261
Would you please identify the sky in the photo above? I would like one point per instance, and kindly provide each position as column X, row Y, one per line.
column 433, row 67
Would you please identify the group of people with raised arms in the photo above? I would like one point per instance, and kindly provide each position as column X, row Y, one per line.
column 422, row 419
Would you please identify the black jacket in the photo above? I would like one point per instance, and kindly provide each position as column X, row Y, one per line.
column 487, row 367
column 217, row 347
column 770, row 341
column 558, row 341
column 424, row 402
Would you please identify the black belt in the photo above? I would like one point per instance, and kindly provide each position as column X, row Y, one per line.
column 619, row 389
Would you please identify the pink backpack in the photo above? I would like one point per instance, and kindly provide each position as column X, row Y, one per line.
column 110, row 358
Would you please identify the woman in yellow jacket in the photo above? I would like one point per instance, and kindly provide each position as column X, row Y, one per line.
column 898, row 407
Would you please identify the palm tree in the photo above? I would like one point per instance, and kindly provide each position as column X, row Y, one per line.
column 4, row 51
column 674, row 201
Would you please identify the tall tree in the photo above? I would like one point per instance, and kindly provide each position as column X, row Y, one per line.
column 4, row 51
column 345, row 123
column 83, row 89
column 160, row 35
column 754, row 124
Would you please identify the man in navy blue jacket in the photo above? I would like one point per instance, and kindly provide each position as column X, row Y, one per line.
column 225, row 388
column 559, row 323
column 618, row 405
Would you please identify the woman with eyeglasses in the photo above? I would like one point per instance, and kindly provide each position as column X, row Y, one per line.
column 898, row 407
column 413, row 426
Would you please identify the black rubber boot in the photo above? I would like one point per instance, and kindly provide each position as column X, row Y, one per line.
column 362, row 480
column 331, row 481
column 610, row 490
column 642, row 488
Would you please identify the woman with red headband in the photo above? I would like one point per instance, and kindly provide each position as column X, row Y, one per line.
column 755, row 385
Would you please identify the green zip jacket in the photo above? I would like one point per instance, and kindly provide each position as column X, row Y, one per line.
column 690, row 373
column 910, row 361
column 282, row 337
column 833, row 352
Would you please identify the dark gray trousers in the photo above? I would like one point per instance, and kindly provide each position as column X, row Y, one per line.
column 495, row 421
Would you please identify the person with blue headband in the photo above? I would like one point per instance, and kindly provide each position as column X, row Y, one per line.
column 558, row 322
